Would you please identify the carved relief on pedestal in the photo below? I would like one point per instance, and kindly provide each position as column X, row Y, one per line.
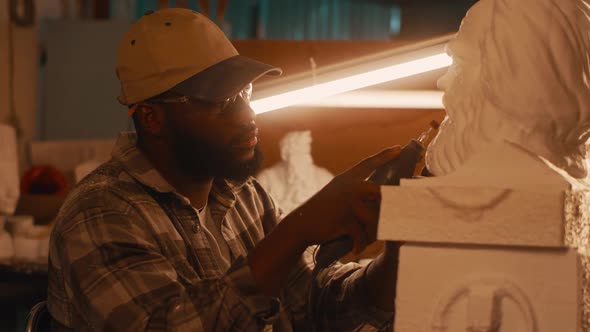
column 450, row 287
column 483, row 300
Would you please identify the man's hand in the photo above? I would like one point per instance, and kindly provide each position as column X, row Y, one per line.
column 348, row 205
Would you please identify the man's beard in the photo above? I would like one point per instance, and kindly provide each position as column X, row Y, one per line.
column 201, row 158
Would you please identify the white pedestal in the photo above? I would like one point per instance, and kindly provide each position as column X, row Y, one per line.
column 473, row 288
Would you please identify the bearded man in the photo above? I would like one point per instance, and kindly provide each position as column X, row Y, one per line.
column 174, row 234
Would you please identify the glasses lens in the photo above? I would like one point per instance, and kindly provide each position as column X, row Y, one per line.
column 226, row 104
column 247, row 92
column 245, row 95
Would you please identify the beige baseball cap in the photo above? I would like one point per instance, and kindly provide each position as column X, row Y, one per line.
column 180, row 50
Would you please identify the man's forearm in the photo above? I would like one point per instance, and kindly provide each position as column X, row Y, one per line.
column 274, row 256
column 381, row 277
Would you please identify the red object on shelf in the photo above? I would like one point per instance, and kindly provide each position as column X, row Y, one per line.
column 43, row 179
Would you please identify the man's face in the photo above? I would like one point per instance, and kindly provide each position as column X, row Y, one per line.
column 207, row 142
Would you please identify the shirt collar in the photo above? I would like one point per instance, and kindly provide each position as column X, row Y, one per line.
column 137, row 165
column 140, row 168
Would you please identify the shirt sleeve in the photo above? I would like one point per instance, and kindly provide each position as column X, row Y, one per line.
column 118, row 280
column 339, row 297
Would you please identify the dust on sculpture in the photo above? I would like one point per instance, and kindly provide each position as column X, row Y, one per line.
column 520, row 73
column 295, row 178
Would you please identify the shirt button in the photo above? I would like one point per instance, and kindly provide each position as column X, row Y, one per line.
column 196, row 228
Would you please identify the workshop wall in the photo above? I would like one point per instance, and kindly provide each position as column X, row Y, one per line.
column 302, row 19
column 58, row 115
column 4, row 64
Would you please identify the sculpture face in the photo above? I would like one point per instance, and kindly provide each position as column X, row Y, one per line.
column 461, row 96
column 520, row 74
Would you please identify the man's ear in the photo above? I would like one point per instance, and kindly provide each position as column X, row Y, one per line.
column 151, row 119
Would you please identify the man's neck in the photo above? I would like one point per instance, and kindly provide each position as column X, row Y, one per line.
column 196, row 189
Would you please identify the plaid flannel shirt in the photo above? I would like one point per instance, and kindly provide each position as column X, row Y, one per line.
column 128, row 254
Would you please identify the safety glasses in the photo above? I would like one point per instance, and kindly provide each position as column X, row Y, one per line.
column 226, row 105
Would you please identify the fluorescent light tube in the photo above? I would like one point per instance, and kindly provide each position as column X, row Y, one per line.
column 409, row 99
column 314, row 93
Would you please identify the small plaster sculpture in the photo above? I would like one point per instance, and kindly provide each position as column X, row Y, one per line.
column 295, row 178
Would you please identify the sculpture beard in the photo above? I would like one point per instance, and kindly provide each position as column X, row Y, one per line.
column 445, row 149
column 462, row 133
column 474, row 121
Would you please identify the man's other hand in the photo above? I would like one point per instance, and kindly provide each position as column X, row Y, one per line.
column 348, row 205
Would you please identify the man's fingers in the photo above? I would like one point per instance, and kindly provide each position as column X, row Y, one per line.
column 363, row 169
column 366, row 212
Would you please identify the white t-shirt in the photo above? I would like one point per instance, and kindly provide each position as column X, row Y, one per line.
column 212, row 229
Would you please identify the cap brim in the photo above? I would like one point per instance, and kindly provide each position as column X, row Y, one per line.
column 224, row 79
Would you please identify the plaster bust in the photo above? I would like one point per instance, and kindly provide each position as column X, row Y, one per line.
column 511, row 165
column 520, row 74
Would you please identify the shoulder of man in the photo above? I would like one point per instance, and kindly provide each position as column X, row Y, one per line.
column 109, row 188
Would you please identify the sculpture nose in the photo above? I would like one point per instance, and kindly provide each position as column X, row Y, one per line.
column 443, row 82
